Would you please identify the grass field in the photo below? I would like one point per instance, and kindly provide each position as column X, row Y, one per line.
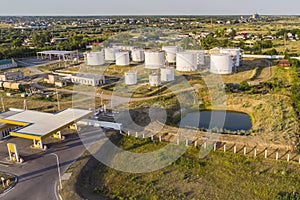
column 217, row 176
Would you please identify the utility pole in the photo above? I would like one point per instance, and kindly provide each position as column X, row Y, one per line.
column 2, row 102
column 25, row 105
column 58, row 105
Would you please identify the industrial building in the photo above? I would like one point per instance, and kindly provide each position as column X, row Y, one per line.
column 38, row 126
column 5, row 129
column 52, row 78
column 186, row 61
column 167, row 74
column 95, row 58
column 54, row 54
column 122, row 58
column 12, row 76
column 8, row 64
column 88, row 79
column 154, row 59
column 56, row 80
column 221, row 64
column 131, row 78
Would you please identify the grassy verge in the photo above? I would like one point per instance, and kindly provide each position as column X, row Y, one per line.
column 218, row 176
column 69, row 190
column 7, row 178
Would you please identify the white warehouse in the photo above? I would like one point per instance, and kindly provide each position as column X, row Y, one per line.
column 95, row 58
column 221, row 64
column 88, row 79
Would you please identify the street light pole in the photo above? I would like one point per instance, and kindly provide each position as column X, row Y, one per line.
column 58, row 105
column 58, row 169
column 101, row 98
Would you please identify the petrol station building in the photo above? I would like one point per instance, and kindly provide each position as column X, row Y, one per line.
column 37, row 126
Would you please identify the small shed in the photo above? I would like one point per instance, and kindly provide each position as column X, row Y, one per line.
column 283, row 63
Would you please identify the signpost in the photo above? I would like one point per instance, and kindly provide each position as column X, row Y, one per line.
column 14, row 153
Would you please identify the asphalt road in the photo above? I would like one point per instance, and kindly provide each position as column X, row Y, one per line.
column 38, row 176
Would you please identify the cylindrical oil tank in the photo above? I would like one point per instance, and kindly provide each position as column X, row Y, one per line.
column 200, row 56
column 167, row 74
column 154, row 59
column 235, row 54
column 131, row 78
column 221, row 64
column 13, row 86
column 186, row 61
column 171, row 53
column 110, row 54
column 154, row 79
column 122, row 58
column 138, row 55
column 95, row 58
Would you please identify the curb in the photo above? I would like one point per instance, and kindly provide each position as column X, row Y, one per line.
column 56, row 191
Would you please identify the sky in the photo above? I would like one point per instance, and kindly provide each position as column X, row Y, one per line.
column 149, row 7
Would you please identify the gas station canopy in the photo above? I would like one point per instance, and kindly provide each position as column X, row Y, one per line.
column 40, row 125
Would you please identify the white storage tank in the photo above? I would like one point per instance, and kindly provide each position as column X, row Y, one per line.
column 131, row 78
column 95, row 58
column 221, row 64
column 154, row 79
column 167, row 74
column 138, row 55
column 171, row 53
column 200, row 56
column 110, row 54
column 186, row 61
column 235, row 54
column 122, row 58
column 154, row 59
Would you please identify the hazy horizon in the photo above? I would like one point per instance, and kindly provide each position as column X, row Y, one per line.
column 154, row 7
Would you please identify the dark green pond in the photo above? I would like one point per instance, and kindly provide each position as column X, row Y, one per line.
column 229, row 120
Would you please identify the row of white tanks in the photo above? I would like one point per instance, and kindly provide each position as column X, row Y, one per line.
column 221, row 62
column 113, row 54
column 166, row 74
column 122, row 58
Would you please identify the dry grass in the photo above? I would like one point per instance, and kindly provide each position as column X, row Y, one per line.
column 218, row 176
